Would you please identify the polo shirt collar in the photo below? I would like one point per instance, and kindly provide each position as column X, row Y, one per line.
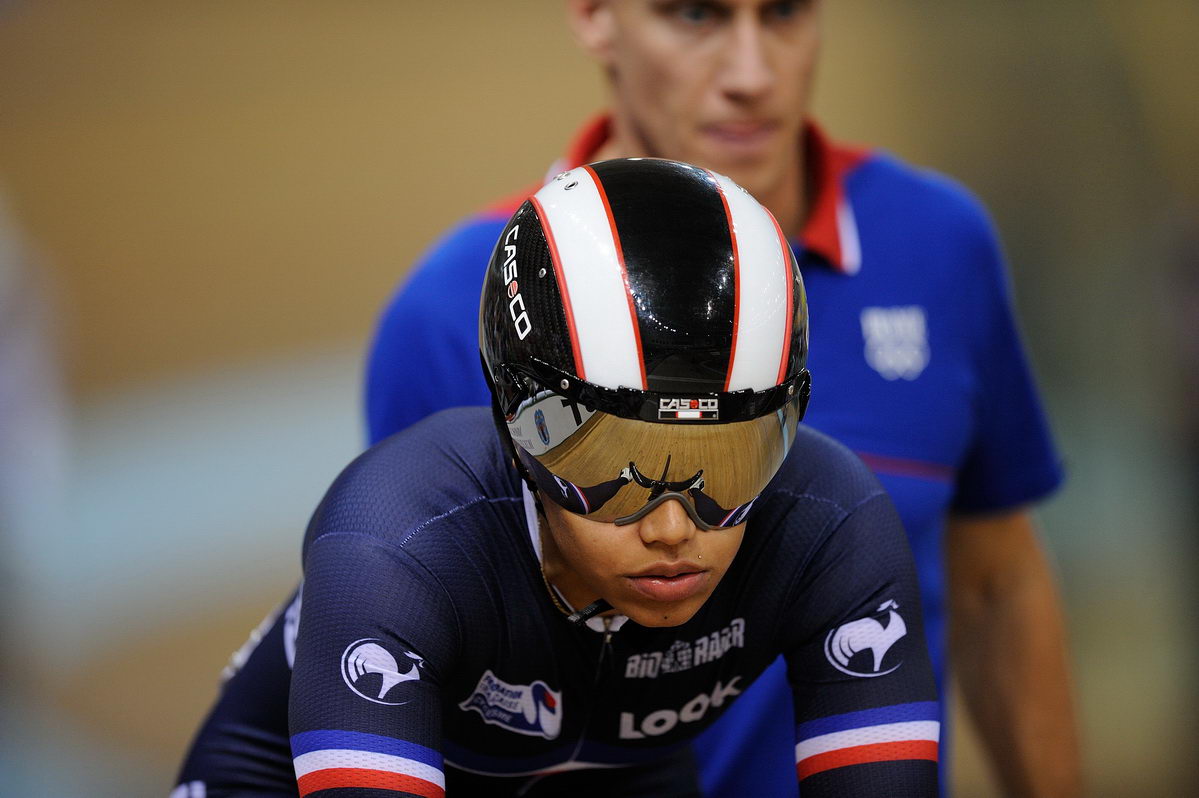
column 831, row 229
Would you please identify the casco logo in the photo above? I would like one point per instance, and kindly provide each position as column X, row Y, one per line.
column 663, row 720
column 365, row 658
column 688, row 408
column 845, row 643
column 523, row 325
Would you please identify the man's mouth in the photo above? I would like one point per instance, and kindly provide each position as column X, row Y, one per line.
column 741, row 135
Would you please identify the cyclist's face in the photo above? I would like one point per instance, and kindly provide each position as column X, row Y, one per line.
column 658, row 570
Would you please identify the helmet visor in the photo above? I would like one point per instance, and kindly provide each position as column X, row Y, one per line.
column 612, row 469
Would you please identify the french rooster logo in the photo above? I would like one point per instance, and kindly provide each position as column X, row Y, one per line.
column 367, row 656
column 864, row 634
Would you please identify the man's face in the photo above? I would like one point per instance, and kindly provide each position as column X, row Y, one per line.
column 724, row 84
column 658, row 570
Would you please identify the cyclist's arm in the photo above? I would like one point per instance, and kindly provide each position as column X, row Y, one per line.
column 242, row 748
column 865, row 701
column 377, row 634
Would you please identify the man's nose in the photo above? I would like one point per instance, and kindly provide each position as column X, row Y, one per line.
column 668, row 524
column 747, row 72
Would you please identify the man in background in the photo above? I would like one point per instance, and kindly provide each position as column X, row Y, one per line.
column 921, row 369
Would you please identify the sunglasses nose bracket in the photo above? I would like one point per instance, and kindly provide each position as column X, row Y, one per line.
column 649, row 507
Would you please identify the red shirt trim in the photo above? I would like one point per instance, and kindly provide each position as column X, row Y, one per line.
column 829, row 162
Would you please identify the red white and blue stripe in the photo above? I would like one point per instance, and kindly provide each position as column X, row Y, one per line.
column 886, row 734
column 327, row 760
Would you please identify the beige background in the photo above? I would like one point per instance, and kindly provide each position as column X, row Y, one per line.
column 217, row 198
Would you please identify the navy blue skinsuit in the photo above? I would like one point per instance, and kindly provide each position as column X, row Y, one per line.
column 431, row 658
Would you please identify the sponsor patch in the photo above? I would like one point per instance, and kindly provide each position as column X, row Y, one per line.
column 663, row 720
column 683, row 655
column 533, row 709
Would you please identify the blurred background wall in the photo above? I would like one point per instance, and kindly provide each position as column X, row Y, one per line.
column 208, row 203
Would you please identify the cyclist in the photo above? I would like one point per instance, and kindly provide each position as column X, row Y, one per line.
column 472, row 624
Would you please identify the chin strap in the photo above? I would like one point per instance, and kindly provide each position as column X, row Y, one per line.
column 588, row 612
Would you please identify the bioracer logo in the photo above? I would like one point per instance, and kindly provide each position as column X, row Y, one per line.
column 523, row 325
column 686, row 408
column 683, row 656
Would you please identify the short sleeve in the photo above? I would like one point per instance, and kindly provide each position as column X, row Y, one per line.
column 865, row 701
column 1012, row 459
column 376, row 639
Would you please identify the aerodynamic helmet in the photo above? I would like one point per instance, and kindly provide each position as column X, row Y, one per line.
column 644, row 330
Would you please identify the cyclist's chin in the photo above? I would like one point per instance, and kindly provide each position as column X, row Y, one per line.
column 659, row 617
column 657, row 605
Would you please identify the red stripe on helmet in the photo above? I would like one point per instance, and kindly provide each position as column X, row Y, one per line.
column 788, row 289
column 728, row 215
column 567, row 308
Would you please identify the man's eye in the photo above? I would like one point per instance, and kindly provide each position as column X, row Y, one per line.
column 786, row 9
column 697, row 13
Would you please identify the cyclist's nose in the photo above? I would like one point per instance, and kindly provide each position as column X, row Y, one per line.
column 668, row 524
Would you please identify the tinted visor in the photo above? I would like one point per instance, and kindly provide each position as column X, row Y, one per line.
column 612, row 469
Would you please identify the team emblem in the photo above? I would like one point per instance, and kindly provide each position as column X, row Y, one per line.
column 896, row 341
column 531, row 709
column 372, row 672
column 860, row 647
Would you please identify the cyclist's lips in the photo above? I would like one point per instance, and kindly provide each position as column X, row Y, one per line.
column 670, row 582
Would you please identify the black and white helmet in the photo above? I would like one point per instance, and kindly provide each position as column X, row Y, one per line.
column 642, row 316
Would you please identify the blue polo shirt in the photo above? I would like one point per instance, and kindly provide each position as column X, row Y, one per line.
column 916, row 362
